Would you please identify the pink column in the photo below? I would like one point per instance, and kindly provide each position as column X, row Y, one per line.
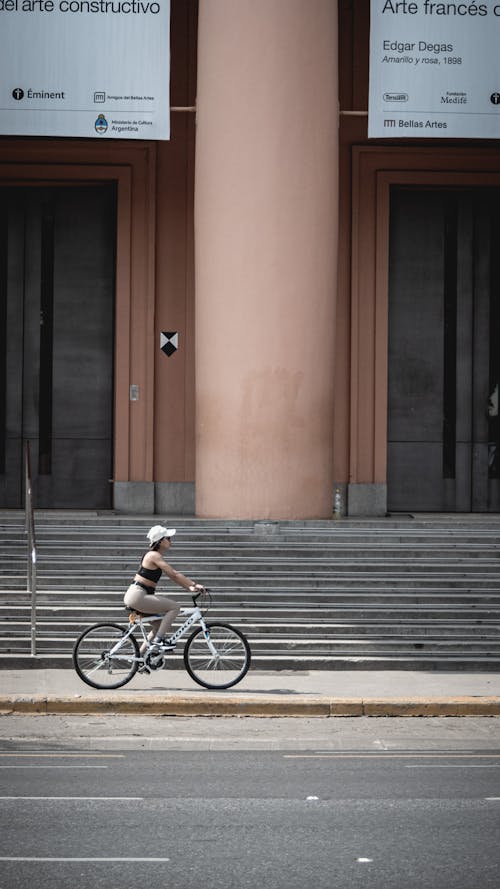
column 266, row 257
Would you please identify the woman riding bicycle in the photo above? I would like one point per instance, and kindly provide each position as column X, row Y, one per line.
column 141, row 593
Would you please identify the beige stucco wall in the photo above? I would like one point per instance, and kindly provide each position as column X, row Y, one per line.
column 265, row 248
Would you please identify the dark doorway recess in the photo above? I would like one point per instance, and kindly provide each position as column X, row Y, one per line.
column 57, row 282
column 444, row 357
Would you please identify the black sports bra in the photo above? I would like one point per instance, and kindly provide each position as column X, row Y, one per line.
column 153, row 574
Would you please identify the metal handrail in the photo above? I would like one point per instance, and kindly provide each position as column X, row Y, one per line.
column 30, row 533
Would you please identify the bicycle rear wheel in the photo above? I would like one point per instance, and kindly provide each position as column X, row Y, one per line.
column 224, row 668
column 95, row 665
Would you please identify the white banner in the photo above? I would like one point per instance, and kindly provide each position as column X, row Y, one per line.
column 434, row 70
column 88, row 68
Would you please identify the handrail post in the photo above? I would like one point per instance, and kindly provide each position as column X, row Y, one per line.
column 31, row 559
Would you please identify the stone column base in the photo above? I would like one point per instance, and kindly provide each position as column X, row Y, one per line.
column 154, row 498
column 174, row 498
column 367, row 500
column 178, row 498
column 134, row 497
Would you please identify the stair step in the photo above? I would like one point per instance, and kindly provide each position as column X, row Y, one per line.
column 407, row 593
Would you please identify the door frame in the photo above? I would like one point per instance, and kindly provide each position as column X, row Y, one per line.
column 374, row 170
column 132, row 169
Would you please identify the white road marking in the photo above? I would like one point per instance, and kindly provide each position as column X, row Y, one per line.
column 29, row 858
column 457, row 765
column 391, row 755
column 79, row 798
column 45, row 766
column 65, row 755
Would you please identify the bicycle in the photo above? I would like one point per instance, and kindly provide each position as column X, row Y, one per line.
column 216, row 655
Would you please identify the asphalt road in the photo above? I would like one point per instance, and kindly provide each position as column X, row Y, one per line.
column 411, row 812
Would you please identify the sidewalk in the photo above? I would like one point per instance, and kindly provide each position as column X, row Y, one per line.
column 261, row 693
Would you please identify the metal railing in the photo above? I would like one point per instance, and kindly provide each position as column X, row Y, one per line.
column 30, row 534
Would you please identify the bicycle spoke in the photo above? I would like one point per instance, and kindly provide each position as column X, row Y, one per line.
column 88, row 671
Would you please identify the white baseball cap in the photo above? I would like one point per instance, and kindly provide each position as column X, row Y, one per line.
column 158, row 532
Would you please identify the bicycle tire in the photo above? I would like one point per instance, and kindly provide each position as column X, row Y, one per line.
column 232, row 663
column 89, row 656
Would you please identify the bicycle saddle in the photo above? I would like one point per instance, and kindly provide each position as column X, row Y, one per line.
column 133, row 614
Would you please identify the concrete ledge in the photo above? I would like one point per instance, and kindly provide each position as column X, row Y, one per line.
column 463, row 706
column 224, row 704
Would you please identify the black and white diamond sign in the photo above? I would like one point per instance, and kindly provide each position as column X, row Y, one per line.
column 169, row 342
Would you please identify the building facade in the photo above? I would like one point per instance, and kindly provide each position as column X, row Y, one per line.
column 265, row 315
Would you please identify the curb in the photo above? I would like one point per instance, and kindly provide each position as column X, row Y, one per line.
column 237, row 705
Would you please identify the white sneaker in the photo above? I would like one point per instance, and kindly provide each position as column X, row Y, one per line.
column 164, row 645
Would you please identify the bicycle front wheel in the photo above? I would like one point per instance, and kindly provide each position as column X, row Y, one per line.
column 103, row 658
column 219, row 661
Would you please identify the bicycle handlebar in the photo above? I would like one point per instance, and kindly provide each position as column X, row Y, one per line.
column 204, row 592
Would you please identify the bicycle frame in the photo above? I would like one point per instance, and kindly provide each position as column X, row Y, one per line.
column 215, row 654
column 195, row 616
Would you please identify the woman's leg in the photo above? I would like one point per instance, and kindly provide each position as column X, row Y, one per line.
column 136, row 597
column 170, row 609
column 155, row 624
column 161, row 628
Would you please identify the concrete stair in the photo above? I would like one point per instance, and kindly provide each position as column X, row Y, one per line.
column 397, row 593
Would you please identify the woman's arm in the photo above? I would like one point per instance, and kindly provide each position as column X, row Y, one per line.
column 174, row 575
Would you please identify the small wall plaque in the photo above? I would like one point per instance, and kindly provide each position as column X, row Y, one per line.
column 169, row 342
